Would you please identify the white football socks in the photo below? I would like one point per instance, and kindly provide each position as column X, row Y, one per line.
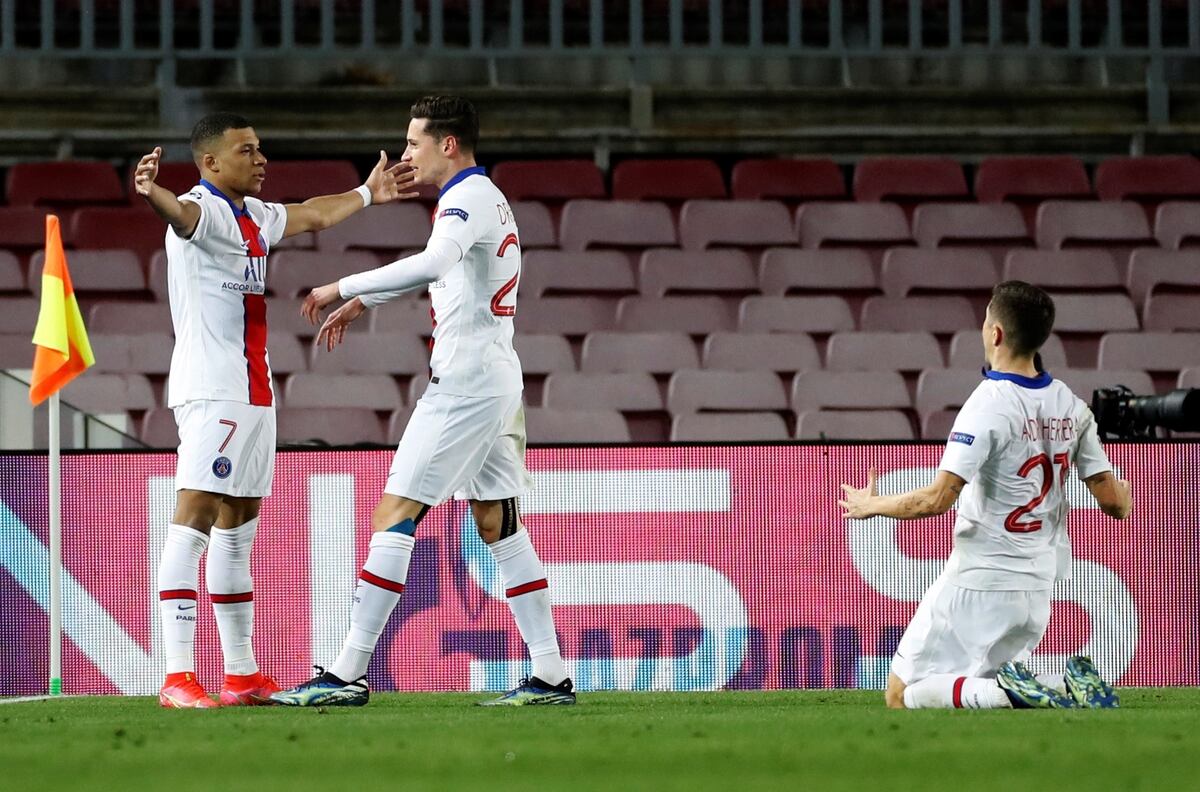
column 178, row 575
column 946, row 691
column 378, row 591
column 227, row 573
column 529, row 600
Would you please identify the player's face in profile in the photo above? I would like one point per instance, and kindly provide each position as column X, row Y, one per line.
column 241, row 161
column 423, row 153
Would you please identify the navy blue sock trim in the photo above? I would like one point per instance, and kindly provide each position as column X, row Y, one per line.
column 406, row 527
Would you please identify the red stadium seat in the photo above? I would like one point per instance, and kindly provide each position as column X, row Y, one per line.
column 369, row 353
column 857, row 425
column 388, row 229
column 1150, row 268
column 1093, row 313
column 549, row 180
column 694, row 390
column 407, row 316
column 695, row 315
column 908, row 270
column 615, row 224
column 794, row 315
column 535, row 224
column 128, row 228
column 95, row 271
column 936, row 425
column 1172, row 312
column 664, row 271
column 704, row 224
column 1150, row 351
column 12, row 277
column 891, row 351
column 780, row 352
column 788, row 180
column 654, row 353
column 966, row 351
column 572, row 316
column 158, row 429
column 939, row 388
column 1064, row 224
column 147, row 353
column 971, row 224
column 849, row 390
column 1177, row 224
column 110, row 393
column 543, row 353
column 671, row 180
column 175, row 177
column 558, row 273
column 63, row 184
column 23, row 228
column 627, row 391
column 785, row 271
column 397, row 422
column 728, row 427
column 328, row 425
column 1064, row 269
column 1189, row 378
column 287, row 354
column 20, row 315
column 366, row 391
column 943, row 315
column 1008, row 178
column 293, row 273
column 1083, row 381
column 908, row 179
column 297, row 181
column 129, row 318
column 1148, row 179
column 548, row 425
column 852, row 225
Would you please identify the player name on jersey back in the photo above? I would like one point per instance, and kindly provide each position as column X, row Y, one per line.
column 216, row 280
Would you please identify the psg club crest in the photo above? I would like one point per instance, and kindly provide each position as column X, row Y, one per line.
column 222, row 467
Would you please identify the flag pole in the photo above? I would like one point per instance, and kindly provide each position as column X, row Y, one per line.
column 55, row 552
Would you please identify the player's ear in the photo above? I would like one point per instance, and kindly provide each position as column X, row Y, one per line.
column 449, row 145
column 209, row 163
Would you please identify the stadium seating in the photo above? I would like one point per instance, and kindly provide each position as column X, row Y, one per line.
column 859, row 425
column 1150, row 268
column 1083, row 381
column 397, row 422
column 23, row 228
column 158, row 430
column 110, row 393
column 129, row 318
column 549, row 180
column 783, row 271
column 573, row 316
column 668, row 271
column 790, row 180
column 1093, row 313
column 548, row 425
column 1016, row 178
column 558, row 273
column 541, row 353
column 695, row 315
column 908, row 270
column 1149, row 351
column 780, row 352
column 966, row 351
column 20, row 315
column 936, row 424
column 1089, row 269
column 1064, row 224
column 728, row 427
column 367, row 391
column 655, row 353
column 1148, row 179
column 12, row 279
column 387, row 229
column 364, row 353
column 175, row 177
column 297, row 181
column 864, row 225
column 95, row 271
column 697, row 390
column 293, row 273
column 406, row 315
column 1189, row 378
column 15, row 350
column 671, row 180
column 329, row 425
column 106, row 227
column 794, row 315
column 1172, row 312
column 849, row 390
column 626, row 391
column 908, row 179
column 1177, row 224
column 63, row 184
column 990, row 225
column 939, row 388
column 535, row 224
column 131, row 354
column 883, row 351
column 587, row 223
column 704, row 224
column 942, row 315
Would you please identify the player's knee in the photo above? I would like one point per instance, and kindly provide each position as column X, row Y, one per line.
column 894, row 698
column 387, row 517
column 197, row 510
column 496, row 520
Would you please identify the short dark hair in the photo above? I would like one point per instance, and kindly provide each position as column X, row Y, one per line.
column 449, row 115
column 213, row 126
column 1025, row 312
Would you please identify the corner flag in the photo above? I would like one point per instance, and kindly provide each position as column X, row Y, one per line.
column 63, row 351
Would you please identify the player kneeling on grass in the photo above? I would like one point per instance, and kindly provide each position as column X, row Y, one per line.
column 466, row 436
column 1008, row 456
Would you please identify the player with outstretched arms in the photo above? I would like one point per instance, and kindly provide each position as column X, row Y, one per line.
column 466, row 437
column 1008, row 456
column 218, row 238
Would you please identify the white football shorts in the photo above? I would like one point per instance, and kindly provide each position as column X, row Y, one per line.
column 225, row 447
column 466, row 446
column 970, row 632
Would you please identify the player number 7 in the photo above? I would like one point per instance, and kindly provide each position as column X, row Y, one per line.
column 1013, row 523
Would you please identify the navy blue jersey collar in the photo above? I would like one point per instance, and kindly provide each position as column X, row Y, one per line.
column 209, row 186
column 462, row 174
column 1042, row 380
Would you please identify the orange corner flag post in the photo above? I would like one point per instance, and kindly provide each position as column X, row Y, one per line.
column 62, row 353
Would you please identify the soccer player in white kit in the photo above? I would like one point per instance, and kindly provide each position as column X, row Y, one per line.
column 466, row 436
column 217, row 242
column 1008, row 455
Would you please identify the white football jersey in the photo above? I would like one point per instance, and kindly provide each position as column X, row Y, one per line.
column 216, row 280
column 1014, row 442
column 475, row 302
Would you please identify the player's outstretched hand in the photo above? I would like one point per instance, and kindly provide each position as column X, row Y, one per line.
column 318, row 300
column 146, row 171
column 855, row 503
column 334, row 329
column 391, row 184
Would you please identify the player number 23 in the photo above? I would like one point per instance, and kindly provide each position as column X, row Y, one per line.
column 1013, row 523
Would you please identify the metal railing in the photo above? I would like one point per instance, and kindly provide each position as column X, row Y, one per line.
column 252, row 29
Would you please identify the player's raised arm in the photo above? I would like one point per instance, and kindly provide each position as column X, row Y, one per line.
column 1114, row 495
column 383, row 185
column 182, row 216
column 928, row 501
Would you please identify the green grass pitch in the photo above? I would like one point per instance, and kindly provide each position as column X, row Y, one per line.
column 812, row 740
